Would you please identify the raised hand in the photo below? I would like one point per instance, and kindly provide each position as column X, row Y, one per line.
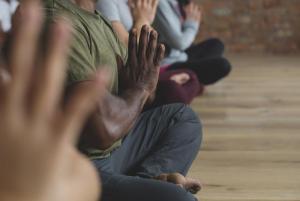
column 143, row 10
column 193, row 12
column 142, row 69
column 38, row 157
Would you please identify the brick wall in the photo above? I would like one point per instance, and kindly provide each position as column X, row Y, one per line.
column 271, row 26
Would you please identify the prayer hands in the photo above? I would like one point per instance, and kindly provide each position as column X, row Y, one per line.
column 142, row 69
column 38, row 157
column 143, row 10
column 193, row 12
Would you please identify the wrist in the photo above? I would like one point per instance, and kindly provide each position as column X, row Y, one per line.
column 138, row 91
column 141, row 22
column 142, row 91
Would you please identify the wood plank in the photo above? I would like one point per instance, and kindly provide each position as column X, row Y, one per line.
column 251, row 144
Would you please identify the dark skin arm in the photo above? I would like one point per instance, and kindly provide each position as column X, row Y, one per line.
column 116, row 115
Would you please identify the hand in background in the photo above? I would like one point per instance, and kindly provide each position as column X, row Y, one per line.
column 193, row 12
column 143, row 11
column 38, row 157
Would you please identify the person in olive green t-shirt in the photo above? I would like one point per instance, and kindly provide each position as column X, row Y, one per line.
column 119, row 137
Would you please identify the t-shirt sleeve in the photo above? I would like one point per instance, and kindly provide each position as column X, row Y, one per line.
column 109, row 9
column 81, row 65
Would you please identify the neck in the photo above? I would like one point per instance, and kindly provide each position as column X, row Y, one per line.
column 88, row 5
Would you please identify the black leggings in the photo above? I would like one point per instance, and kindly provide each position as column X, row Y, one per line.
column 206, row 60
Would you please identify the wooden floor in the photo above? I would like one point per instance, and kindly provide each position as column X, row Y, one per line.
column 251, row 147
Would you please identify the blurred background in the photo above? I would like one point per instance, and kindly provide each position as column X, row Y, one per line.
column 251, row 119
column 260, row 26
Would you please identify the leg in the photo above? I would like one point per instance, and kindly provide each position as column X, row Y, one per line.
column 208, row 71
column 165, row 139
column 210, row 48
column 168, row 91
column 129, row 188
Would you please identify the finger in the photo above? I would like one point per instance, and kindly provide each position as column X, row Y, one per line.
column 160, row 53
column 144, row 3
column 132, row 46
column 154, row 4
column 139, row 3
column 149, row 3
column 52, row 75
column 83, row 101
column 131, row 4
column 143, row 43
column 152, row 45
column 23, row 50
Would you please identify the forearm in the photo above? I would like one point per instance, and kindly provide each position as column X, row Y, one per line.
column 138, row 24
column 113, row 121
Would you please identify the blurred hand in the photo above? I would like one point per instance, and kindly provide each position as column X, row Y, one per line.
column 193, row 12
column 38, row 157
column 143, row 10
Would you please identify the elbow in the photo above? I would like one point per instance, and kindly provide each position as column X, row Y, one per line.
column 179, row 44
column 181, row 47
column 99, row 136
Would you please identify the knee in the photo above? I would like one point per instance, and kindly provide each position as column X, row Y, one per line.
column 224, row 67
column 195, row 126
column 217, row 44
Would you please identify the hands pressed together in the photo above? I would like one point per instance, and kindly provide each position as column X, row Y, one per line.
column 142, row 68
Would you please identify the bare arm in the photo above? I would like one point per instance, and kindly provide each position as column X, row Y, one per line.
column 116, row 115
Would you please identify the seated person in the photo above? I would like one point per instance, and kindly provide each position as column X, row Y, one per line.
column 177, row 22
column 141, row 156
column 174, row 85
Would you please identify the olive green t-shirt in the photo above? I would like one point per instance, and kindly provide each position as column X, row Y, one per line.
column 94, row 44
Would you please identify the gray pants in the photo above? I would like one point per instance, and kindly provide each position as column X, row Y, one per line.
column 164, row 140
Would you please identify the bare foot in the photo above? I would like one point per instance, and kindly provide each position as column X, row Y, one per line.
column 180, row 78
column 191, row 185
